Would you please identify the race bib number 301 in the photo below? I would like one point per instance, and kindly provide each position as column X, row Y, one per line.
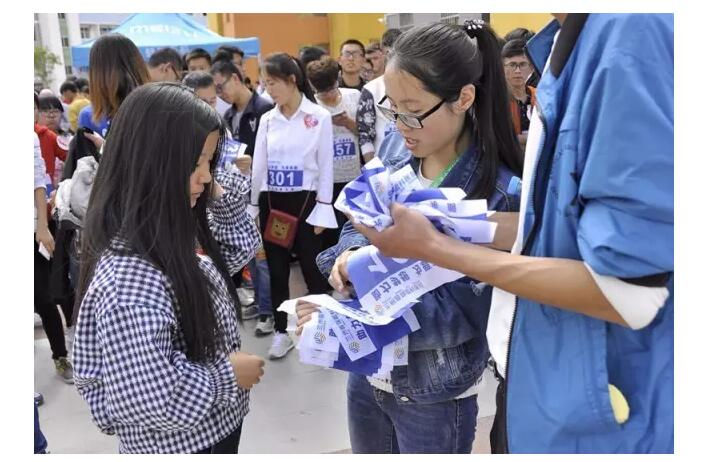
column 284, row 179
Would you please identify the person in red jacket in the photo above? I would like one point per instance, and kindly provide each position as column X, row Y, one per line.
column 51, row 150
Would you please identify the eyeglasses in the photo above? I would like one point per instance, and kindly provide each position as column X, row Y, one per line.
column 50, row 112
column 351, row 54
column 219, row 86
column 410, row 120
column 514, row 65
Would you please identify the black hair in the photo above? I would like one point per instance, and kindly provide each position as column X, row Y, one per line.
column 198, row 53
column 80, row 83
column 71, row 78
column 158, row 133
column 226, row 68
column 513, row 48
column 322, row 73
column 520, row 33
column 353, row 42
column 69, row 85
column 233, row 50
column 308, row 54
column 36, row 99
column 444, row 58
column 390, row 36
column 222, row 55
column 282, row 66
column 166, row 55
column 47, row 102
column 198, row 79
column 372, row 47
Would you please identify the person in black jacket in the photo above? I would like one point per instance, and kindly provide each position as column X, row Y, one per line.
column 247, row 106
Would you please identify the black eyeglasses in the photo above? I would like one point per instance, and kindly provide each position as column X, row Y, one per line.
column 410, row 120
column 219, row 86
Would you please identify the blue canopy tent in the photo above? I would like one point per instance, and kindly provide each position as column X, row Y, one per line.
column 152, row 31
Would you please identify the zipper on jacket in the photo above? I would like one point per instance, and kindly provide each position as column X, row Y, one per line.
column 527, row 245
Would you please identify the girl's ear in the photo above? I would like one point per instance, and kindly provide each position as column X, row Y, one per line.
column 466, row 98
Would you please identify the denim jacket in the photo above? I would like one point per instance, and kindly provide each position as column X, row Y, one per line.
column 449, row 353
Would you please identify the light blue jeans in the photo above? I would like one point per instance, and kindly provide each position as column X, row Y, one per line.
column 263, row 291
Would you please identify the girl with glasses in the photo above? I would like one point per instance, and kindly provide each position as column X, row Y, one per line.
column 446, row 91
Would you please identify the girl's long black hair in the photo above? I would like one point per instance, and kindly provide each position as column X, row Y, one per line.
column 141, row 194
column 282, row 66
column 445, row 58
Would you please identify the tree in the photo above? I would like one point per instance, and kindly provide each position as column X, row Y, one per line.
column 44, row 62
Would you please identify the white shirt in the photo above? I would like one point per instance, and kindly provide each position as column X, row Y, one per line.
column 346, row 158
column 221, row 106
column 294, row 155
column 383, row 126
column 636, row 304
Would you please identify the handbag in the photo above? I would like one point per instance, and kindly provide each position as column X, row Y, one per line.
column 281, row 227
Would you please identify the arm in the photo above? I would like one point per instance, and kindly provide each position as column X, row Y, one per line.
column 259, row 164
column 172, row 393
column 365, row 118
column 232, row 227
column 43, row 235
column 323, row 215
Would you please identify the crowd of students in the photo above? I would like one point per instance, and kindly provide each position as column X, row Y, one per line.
column 175, row 184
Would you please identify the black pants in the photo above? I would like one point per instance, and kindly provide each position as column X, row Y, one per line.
column 228, row 445
column 330, row 236
column 45, row 307
column 307, row 246
column 498, row 434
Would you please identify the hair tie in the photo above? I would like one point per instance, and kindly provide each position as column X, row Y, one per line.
column 473, row 27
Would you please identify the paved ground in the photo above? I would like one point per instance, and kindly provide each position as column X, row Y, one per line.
column 296, row 408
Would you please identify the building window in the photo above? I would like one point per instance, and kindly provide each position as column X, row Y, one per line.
column 85, row 32
column 62, row 15
column 64, row 41
column 106, row 29
column 69, row 70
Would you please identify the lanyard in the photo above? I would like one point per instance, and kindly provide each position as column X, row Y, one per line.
column 439, row 179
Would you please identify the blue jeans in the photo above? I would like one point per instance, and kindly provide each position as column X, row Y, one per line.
column 263, row 292
column 40, row 443
column 379, row 425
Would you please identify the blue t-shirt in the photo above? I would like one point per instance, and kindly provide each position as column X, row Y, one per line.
column 85, row 119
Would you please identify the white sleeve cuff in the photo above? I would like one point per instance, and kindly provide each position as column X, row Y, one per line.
column 367, row 148
column 252, row 210
column 638, row 305
column 322, row 215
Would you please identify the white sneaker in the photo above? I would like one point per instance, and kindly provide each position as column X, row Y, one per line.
column 246, row 296
column 281, row 345
column 265, row 327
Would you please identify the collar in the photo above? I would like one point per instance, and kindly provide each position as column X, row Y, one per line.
column 251, row 104
column 461, row 174
column 539, row 47
column 306, row 106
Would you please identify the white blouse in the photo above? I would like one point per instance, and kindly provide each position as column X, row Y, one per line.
column 294, row 155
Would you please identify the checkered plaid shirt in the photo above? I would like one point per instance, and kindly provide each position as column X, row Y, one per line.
column 129, row 352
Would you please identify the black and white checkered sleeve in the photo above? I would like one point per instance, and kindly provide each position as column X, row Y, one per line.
column 148, row 382
column 230, row 223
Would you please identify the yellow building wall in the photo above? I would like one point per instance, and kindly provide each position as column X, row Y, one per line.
column 365, row 27
column 505, row 22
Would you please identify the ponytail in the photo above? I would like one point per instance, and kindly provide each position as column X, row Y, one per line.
column 491, row 118
column 302, row 81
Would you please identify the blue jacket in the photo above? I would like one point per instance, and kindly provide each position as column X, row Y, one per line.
column 603, row 194
column 449, row 353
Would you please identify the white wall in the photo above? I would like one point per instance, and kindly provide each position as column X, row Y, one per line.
column 51, row 40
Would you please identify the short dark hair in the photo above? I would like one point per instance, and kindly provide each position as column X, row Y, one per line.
column 50, row 102
column 198, row 53
column 322, row 73
column 519, row 33
column 353, row 42
column 198, row 79
column 372, row 47
column 69, row 85
column 390, row 36
column 513, row 48
column 233, row 50
column 166, row 55
column 71, row 78
column 308, row 54
column 36, row 99
column 81, row 82
column 226, row 68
